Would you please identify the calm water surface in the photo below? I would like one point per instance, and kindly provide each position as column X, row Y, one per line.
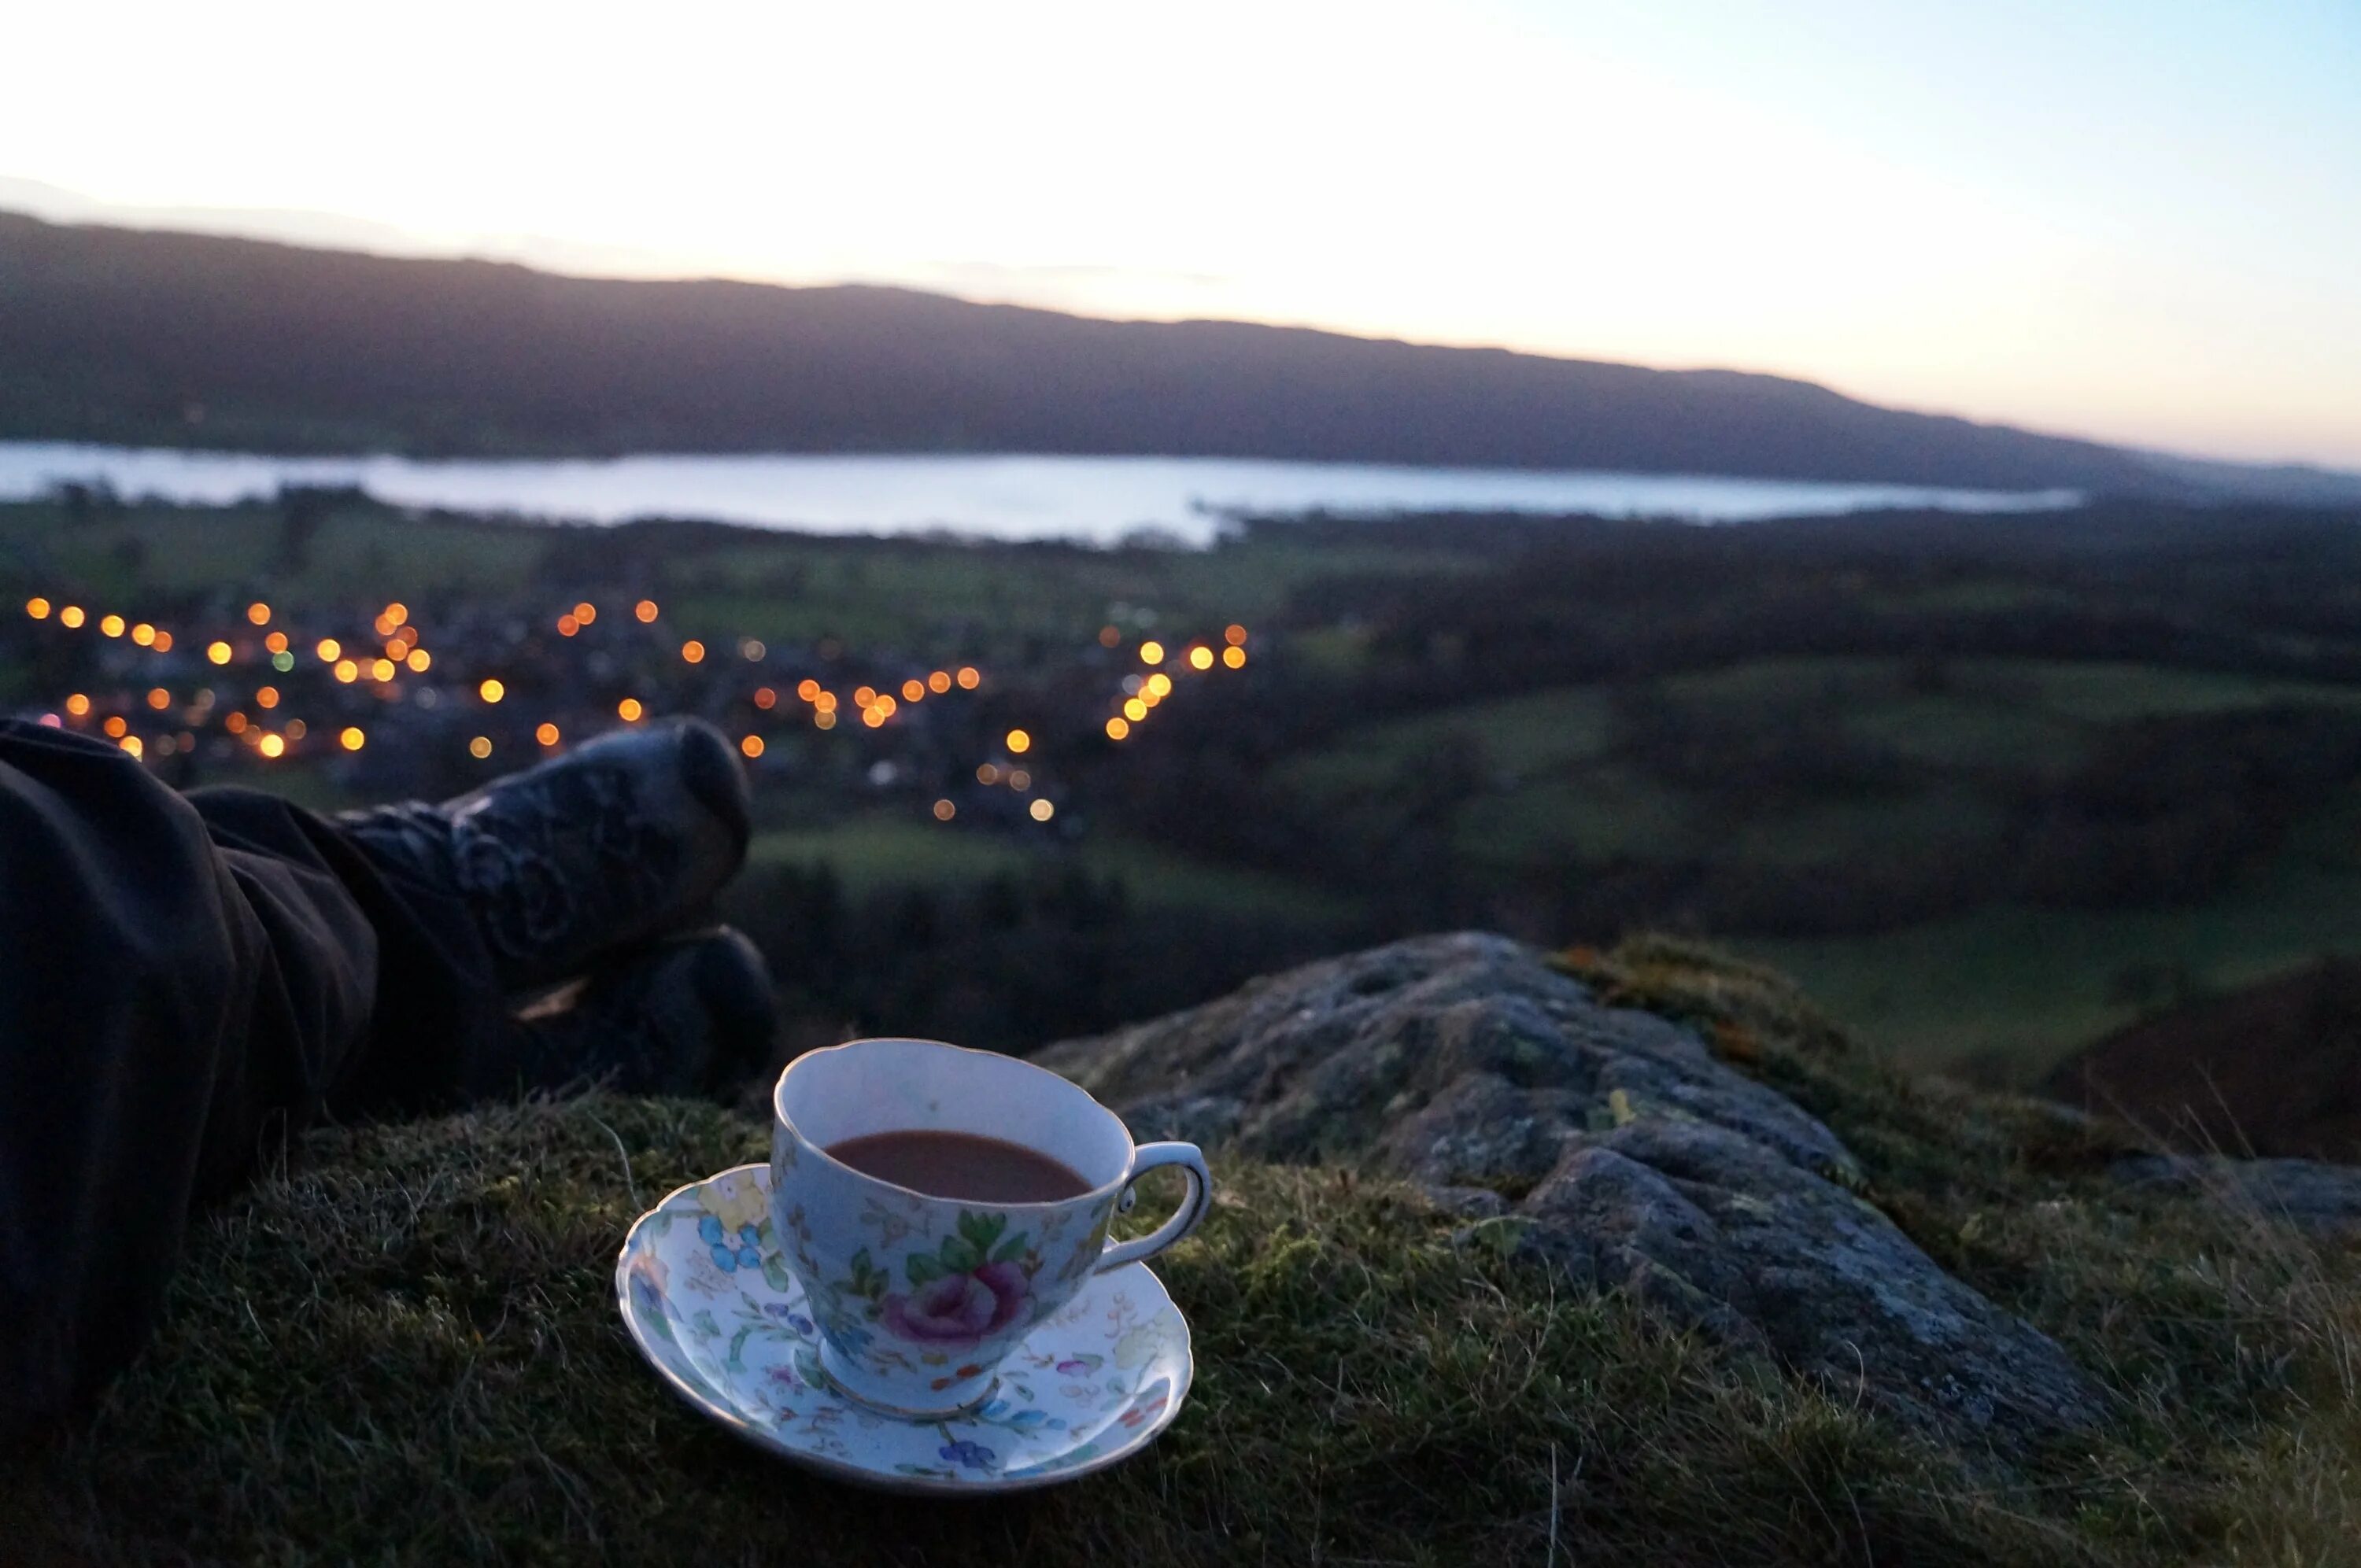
column 1012, row 496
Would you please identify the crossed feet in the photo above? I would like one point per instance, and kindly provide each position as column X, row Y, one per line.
column 598, row 868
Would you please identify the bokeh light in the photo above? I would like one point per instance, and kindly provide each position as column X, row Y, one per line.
column 567, row 626
column 272, row 746
column 481, row 747
column 1236, row 658
column 37, row 607
column 329, row 650
column 420, row 660
column 939, row 682
column 267, row 697
column 1117, row 728
column 693, row 650
column 71, row 618
column 987, row 775
column 1017, row 743
column 1109, row 636
column 1235, row 635
column 163, row 640
column 117, row 726
column 970, row 677
column 628, row 710
column 808, row 688
column 545, row 732
column 276, row 643
column 1200, row 658
column 645, row 609
column 351, row 738
column 159, row 700
column 914, row 691
column 78, row 705
column 1134, row 709
column 218, row 652
column 1019, row 780
column 1151, row 652
column 765, row 698
column 1041, row 810
column 585, row 613
column 945, row 810
column 131, row 743
column 347, row 672
column 258, row 613
column 144, row 634
column 1160, row 685
column 752, row 745
column 111, row 625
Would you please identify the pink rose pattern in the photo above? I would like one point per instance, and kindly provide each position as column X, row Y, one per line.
column 958, row 1311
column 976, row 1284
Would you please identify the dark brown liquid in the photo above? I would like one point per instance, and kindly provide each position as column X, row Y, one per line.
column 967, row 1167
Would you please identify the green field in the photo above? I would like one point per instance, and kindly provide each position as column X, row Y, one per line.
column 872, row 853
column 2006, row 994
column 1745, row 794
column 2004, row 991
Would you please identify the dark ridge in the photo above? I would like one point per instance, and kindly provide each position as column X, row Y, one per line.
column 143, row 337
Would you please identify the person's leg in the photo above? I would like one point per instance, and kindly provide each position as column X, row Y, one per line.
column 185, row 982
column 436, row 1013
column 163, row 1006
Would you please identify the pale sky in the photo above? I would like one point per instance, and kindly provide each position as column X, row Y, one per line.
column 2139, row 221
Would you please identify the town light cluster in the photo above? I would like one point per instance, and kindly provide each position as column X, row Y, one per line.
column 397, row 651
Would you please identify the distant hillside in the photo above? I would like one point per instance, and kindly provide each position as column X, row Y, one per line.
column 2274, row 1069
column 133, row 336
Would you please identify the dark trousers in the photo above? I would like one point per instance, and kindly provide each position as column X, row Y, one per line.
column 185, row 982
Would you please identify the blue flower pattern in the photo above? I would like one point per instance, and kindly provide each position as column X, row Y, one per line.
column 968, row 1452
column 792, row 1318
column 747, row 1252
column 1001, row 1412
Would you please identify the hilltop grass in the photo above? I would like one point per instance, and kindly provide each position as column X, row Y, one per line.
column 405, row 1349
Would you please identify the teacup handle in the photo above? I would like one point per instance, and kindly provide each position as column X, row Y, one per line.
column 1147, row 1157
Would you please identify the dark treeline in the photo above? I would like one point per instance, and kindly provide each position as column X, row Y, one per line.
column 1010, row 962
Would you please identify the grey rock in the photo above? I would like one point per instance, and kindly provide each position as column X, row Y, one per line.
column 1608, row 1142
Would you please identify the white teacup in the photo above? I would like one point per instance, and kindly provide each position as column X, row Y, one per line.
column 918, row 1297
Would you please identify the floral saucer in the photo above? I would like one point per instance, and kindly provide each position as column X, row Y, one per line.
column 711, row 1303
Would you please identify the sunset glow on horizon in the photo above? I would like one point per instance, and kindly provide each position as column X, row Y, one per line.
column 2132, row 222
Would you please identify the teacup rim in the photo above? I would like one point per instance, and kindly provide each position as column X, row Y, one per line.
column 780, row 1116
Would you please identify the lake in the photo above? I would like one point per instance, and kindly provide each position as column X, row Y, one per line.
column 1099, row 499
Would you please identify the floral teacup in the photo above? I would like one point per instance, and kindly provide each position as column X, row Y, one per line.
column 917, row 1298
